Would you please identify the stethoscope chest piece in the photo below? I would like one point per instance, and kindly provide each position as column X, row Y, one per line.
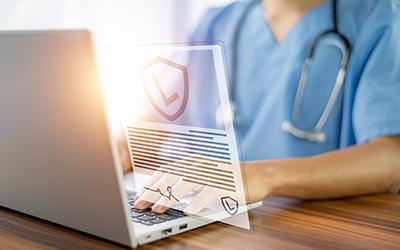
column 317, row 136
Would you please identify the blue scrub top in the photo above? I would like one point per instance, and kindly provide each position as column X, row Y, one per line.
column 268, row 73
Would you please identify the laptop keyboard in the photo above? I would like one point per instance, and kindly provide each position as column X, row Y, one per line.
column 147, row 217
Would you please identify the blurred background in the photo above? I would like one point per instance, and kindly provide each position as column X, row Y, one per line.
column 111, row 21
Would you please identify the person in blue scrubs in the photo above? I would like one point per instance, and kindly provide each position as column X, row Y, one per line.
column 361, row 153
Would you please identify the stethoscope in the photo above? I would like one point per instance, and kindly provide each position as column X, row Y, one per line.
column 290, row 126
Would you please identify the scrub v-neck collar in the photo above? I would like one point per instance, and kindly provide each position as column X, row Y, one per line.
column 294, row 30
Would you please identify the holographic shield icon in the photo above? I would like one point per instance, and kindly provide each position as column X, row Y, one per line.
column 167, row 86
column 230, row 205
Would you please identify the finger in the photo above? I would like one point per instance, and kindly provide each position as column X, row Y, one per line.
column 155, row 177
column 141, row 203
column 158, row 175
column 200, row 201
column 159, row 182
column 153, row 193
column 178, row 192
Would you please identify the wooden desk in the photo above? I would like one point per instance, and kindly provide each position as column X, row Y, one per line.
column 365, row 222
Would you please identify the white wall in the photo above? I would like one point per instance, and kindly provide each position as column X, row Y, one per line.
column 112, row 21
column 28, row 14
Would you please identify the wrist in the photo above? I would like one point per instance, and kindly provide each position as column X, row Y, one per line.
column 261, row 179
column 271, row 176
column 280, row 175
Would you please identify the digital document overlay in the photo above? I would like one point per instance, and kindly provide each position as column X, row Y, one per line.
column 174, row 111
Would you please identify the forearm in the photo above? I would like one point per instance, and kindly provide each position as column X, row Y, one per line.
column 370, row 168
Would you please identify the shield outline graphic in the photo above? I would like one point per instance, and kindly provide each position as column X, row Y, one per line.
column 185, row 74
column 225, row 203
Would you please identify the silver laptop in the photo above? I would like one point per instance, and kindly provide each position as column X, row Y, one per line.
column 57, row 160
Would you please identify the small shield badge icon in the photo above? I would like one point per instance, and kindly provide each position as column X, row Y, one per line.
column 230, row 205
column 167, row 86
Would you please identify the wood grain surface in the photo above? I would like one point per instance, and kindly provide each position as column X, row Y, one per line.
column 369, row 222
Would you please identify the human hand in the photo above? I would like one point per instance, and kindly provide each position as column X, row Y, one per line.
column 165, row 190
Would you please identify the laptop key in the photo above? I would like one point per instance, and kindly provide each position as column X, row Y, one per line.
column 175, row 213
column 166, row 217
column 151, row 213
column 146, row 217
column 135, row 214
column 157, row 220
column 134, row 210
column 135, row 219
column 146, row 223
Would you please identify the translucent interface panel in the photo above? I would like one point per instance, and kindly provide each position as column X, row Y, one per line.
column 174, row 110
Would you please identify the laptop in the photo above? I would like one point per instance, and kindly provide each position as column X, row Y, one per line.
column 58, row 161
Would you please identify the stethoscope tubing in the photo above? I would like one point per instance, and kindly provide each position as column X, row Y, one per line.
column 343, row 45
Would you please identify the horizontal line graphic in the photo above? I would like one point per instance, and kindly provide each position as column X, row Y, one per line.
column 173, row 153
column 168, row 132
column 187, row 178
column 178, row 146
column 185, row 165
column 174, row 159
column 158, row 147
column 176, row 137
column 183, row 170
column 207, row 184
column 177, row 141
column 205, row 132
